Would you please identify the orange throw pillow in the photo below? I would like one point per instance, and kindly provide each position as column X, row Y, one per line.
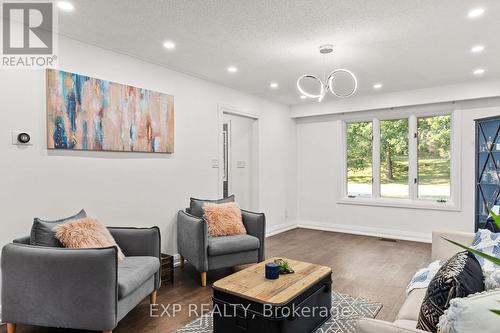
column 223, row 219
column 86, row 233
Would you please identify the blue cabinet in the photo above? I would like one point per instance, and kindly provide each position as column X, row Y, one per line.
column 487, row 169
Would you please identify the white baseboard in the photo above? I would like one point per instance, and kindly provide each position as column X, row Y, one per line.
column 278, row 229
column 367, row 231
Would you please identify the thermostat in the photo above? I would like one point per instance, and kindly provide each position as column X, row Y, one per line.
column 21, row 138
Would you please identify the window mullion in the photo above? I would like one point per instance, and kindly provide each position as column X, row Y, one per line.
column 413, row 158
column 376, row 158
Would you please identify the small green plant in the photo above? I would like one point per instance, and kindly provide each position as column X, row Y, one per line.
column 285, row 267
column 495, row 260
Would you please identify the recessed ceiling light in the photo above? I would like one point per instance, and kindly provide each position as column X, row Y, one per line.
column 476, row 12
column 232, row 69
column 274, row 85
column 169, row 45
column 477, row 49
column 66, row 6
column 303, row 97
column 377, row 86
column 479, row 71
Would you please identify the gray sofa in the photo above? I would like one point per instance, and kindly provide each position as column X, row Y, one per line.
column 208, row 253
column 79, row 288
column 407, row 318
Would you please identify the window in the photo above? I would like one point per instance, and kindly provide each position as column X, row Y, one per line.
column 434, row 162
column 394, row 158
column 359, row 159
column 405, row 160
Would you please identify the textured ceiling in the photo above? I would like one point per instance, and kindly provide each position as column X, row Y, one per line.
column 406, row 44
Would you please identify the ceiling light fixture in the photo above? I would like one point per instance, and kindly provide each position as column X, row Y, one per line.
column 479, row 71
column 477, row 49
column 476, row 12
column 273, row 85
column 327, row 84
column 232, row 69
column 377, row 86
column 66, row 6
column 169, row 45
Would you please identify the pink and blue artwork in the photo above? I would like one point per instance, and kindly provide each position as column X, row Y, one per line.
column 85, row 113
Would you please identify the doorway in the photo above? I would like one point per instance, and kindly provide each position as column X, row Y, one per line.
column 239, row 172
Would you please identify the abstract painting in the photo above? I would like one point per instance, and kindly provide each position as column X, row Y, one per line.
column 85, row 113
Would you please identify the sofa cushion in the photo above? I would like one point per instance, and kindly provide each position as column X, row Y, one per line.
column 43, row 233
column 196, row 205
column 460, row 276
column 411, row 306
column 133, row 272
column 218, row 246
column 404, row 323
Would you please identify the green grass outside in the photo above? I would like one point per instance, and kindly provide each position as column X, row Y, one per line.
column 431, row 172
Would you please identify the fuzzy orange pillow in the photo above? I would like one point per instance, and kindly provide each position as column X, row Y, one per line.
column 86, row 233
column 223, row 219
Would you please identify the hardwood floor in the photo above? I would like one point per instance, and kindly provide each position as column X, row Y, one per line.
column 362, row 266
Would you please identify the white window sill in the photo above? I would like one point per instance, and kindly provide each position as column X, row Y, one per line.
column 401, row 203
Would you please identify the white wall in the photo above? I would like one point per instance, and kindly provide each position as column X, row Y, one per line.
column 319, row 181
column 129, row 189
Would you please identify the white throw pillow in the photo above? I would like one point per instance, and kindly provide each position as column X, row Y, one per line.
column 472, row 314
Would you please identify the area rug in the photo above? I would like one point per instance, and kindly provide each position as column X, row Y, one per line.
column 346, row 310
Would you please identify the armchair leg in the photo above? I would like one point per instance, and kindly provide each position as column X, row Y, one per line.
column 204, row 279
column 182, row 262
column 11, row 328
column 152, row 298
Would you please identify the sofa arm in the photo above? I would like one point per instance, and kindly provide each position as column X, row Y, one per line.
column 378, row 326
column 255, row 224
column 139, row 242
column 60, row 287
column 192, row 240
column 442, row 249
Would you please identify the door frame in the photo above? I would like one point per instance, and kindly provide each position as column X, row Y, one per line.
column 223, row 109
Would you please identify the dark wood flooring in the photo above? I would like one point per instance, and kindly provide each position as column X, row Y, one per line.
column 362, row 266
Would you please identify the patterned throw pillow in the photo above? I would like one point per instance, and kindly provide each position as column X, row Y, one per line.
column 488, row 242
column 460, row 276
column 424, row 276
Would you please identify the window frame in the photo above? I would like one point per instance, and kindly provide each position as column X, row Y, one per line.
column 453, row 203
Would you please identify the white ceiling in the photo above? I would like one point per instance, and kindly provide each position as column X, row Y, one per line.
column 405, row 44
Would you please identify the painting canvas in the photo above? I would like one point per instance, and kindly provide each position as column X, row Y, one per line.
column 85, row 113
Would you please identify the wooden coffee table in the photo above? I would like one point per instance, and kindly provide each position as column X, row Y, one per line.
column 248, row 302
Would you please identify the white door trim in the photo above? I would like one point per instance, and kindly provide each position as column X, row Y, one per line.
column 232, row 110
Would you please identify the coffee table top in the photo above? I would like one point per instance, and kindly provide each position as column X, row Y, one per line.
column 251, row 283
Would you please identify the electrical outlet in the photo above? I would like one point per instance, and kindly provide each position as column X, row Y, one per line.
column 215, row 163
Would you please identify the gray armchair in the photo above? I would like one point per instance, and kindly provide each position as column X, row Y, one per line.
column 79, row 288
column 208, row 253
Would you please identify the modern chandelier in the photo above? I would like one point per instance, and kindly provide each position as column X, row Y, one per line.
column 327, row 84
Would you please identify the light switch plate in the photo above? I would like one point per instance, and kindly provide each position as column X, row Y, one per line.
column 241, row 164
